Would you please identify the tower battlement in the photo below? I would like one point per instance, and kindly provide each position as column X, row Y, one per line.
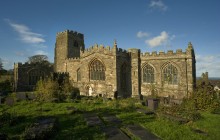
column 70, row 32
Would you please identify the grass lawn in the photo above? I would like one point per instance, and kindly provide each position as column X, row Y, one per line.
column 72, row 124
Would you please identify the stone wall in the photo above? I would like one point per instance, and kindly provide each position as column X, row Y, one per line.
column 133, row 61
column 107, row 56
column 22, row 75
column 68, row 45
column 185, row 64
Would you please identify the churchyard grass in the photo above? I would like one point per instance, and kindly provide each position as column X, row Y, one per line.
column 72, row 124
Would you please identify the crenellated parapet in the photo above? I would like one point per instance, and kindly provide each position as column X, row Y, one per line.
column 70, row 32
column 98, row 49
column 61, row 73
column 169, row 54
column 26, row 64
column 73, row 59
column 61, row 76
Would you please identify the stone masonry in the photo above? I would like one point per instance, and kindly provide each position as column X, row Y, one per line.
column 100, row 70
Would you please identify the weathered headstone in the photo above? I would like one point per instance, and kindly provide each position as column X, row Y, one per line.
column 112, row 120
column 179, row 120
column 200, row 132
column 144, row 111
column 21, row 96
column 9, row 101
column 153, row 103
column 113, row 133
column 93, row 120
column 141, row 133
column 42, row 129
column 31, row 96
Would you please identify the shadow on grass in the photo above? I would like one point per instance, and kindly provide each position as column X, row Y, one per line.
column 75, row 127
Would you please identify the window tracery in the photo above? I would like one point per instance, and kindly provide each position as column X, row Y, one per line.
column 97, row 70
column 148, row 74
column 170, row 74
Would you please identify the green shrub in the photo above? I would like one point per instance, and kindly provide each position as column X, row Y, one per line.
column 47, row 89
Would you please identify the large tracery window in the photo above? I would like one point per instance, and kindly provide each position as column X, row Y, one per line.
column 148, row 74
column 34, row 76
column 123, row 77
column 97, row 70
column 170, row 74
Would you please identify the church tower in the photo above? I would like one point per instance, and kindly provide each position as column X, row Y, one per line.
column 68, row 45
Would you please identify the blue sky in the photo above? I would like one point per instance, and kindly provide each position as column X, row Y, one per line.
column 29, row 27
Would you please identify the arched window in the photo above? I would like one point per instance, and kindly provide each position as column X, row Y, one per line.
column 34, row 76
column 123, row 77
column 170, row 74
column 78, row 75
column 148, row 74
column 97, row 70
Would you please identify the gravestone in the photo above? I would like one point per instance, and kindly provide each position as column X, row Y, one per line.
column 139, row 110
column 113, row 133
column 112, row 120
column 9, row 101
column 141, row 133
column 31, row 96
column 44, row 128
column 21, row 96
column 200, row 132
column 179, row 120
column 93, row 120
column 152, row 103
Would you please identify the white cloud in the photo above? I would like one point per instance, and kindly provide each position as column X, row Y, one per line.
column 141, row 34
column 159, row 40
column 26, row 35
column 206, row 59
column 158, row 4
column 19, row 53
column 40, row 52
column 208, row 63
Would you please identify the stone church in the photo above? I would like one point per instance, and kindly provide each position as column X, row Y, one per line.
column 100, row 70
